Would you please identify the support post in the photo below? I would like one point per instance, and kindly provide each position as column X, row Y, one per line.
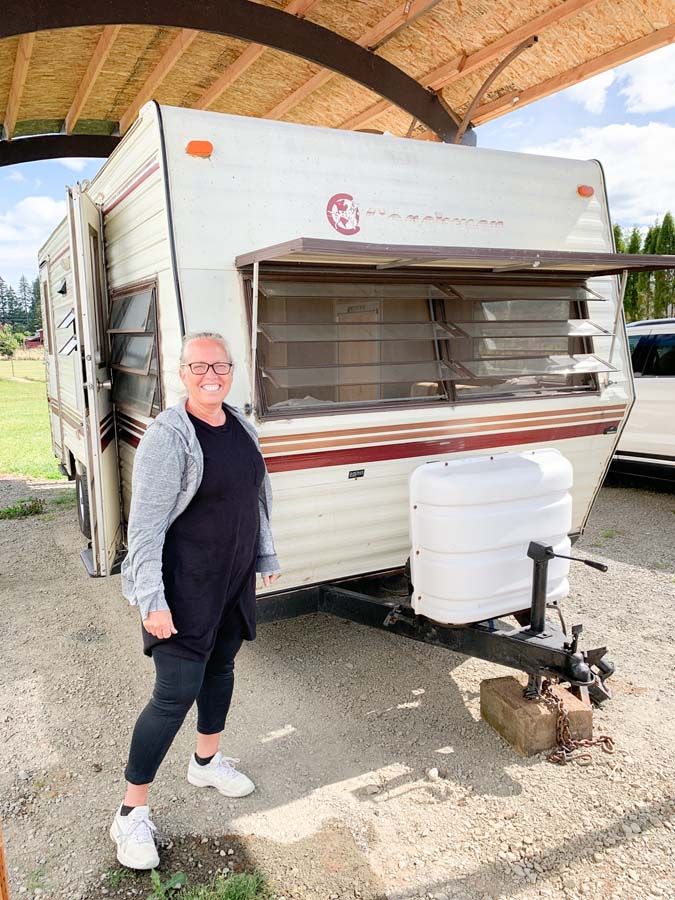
column 541, row 554
column 4, row 881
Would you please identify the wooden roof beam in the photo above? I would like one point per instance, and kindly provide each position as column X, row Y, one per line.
column 96, row 63
column 24, row 51
column 462, row 65
column 243, row 62
column 649, row 42
column 171, row 55
column 374, row 37
column 249, row 21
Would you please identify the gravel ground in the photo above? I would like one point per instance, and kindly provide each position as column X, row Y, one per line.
column 339, row 726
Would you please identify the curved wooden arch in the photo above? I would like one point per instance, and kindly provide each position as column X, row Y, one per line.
column 241, row 19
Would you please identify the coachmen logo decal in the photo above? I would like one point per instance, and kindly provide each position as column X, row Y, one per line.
column 343, row 214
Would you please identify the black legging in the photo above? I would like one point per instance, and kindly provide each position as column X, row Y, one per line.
column 179, row 682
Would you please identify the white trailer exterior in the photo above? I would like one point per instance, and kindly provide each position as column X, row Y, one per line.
column 151, row 244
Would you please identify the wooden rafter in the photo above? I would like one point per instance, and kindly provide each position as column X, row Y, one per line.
column 243, row 62
column 173, row 53
column 653, row 41
column 386, row 28
column 96, row 63
column 24, row 51
column 462, row 65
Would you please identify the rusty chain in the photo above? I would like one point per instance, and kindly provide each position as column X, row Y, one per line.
column 567, row 745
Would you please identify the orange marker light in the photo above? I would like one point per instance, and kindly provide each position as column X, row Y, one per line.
column 585, row 190
column 203, row 149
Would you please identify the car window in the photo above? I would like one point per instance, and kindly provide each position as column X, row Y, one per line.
column 661, row 359
column 639, row 346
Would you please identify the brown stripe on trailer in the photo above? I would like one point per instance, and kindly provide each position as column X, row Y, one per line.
column 435, row 428
column 129, row 438
column 384, row 452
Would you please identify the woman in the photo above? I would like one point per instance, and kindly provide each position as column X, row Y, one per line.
column 198, row 532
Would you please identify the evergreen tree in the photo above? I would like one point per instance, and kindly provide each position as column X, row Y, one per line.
column 664, row 281
column 35, row 307
column 24, row 300
column 646, row 279
column 619, row 240
column 631, row 299
column 4, row 313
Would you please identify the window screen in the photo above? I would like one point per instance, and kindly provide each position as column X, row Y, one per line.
column 324, row 345
column 133, row 351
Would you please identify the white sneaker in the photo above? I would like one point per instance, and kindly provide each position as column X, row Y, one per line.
column 133, row 835
column 220, row 774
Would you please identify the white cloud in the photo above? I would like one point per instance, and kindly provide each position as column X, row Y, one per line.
column 592, row 93
column 74, row 163
column 636, row 162
column 16, row 177
column 23, row 230
column 649, row 82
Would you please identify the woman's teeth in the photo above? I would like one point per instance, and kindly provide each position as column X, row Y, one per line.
column 211, row 387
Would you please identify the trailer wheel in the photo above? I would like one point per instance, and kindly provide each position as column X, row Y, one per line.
column 82, row 495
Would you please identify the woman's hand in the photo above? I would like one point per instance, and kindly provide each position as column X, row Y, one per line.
column 267, row 580
column 160, row 624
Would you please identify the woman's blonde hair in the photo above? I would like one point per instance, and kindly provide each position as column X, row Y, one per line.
column 207, row 335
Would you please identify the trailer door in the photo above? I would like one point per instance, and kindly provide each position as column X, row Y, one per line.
column 99, row 429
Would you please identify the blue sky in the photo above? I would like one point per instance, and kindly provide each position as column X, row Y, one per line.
column 624, row 117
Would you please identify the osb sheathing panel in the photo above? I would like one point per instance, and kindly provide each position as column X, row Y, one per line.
column 206, row 59
column 596, row 32
column 452, row 28
column 267, row 81
column 135, row 53
column 334, row 102
column 57, row 66
column 351, row 18
column 7, row 58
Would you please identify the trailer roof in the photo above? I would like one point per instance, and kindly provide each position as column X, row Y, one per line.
column 480, row 259
column 74, row 75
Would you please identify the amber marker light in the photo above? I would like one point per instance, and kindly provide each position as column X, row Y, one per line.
column 203, row 149
column 585, row 190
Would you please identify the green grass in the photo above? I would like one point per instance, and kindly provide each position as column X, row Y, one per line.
column 115, row 877
column 33, row 369
column 36, row 879
column 25, row 439
column 33, row 506
column 609, row 533
column 66, row 499
column 233, row 887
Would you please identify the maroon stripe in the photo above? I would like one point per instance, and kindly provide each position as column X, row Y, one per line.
column 132, row 187
column 356, row 455
column 106, row 439
column 128, row 437
column 59, row 254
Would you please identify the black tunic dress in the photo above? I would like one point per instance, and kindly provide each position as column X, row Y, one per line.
column 208, row 561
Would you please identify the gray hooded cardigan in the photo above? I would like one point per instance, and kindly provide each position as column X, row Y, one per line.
column 168, row 469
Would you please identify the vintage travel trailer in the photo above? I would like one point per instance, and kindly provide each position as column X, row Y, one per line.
column 389, row 302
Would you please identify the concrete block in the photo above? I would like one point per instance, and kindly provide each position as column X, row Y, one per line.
column 529, row 725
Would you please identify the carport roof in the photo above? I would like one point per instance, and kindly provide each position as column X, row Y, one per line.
column 79, row 71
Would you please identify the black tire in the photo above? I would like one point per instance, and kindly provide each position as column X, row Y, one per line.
column 82, row 495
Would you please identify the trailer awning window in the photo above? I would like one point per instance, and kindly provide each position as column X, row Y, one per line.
column 319, row 251
column 329, row 342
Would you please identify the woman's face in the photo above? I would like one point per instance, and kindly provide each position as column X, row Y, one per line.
column 208, row 389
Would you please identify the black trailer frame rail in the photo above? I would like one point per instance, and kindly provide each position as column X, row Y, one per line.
column 381, row 601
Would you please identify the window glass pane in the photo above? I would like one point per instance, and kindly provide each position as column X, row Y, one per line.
column 543, row 365
column 324, row 342
column 661, row 360
column 135, row 391
column 130, row 313
column 132, row 351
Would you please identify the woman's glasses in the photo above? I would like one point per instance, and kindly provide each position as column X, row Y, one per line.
column 201, row 368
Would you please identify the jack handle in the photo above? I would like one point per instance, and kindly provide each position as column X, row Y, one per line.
column 538, row 551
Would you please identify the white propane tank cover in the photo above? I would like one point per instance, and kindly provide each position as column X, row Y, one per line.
column 471, row 522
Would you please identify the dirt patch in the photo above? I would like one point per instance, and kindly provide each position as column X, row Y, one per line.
column 339, row 726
